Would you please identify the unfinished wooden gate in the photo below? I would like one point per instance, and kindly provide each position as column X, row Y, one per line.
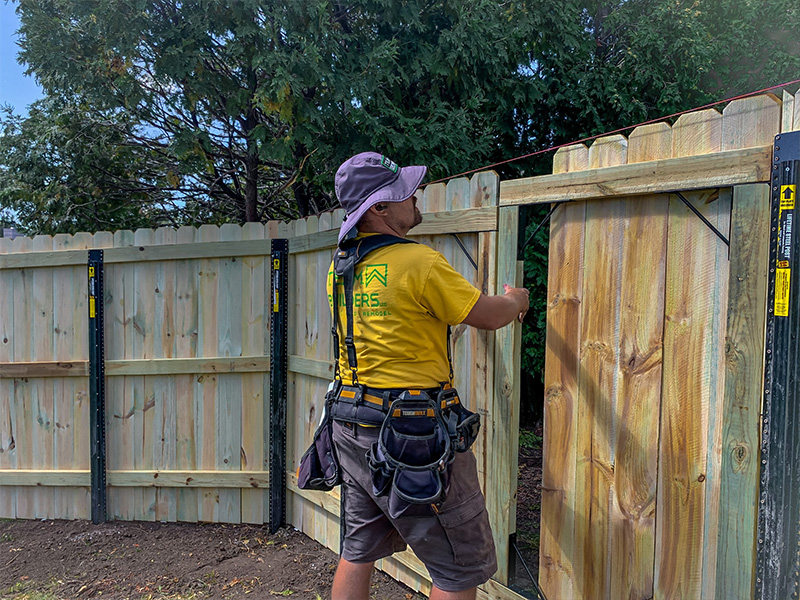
column 654, row 361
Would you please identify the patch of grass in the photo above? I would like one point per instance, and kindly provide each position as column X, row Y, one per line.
column 177, row 596
column 529, row 540
column 529, row 440
column 6, row 537
column 210, row 577
column 20, row 591
column 283, row 593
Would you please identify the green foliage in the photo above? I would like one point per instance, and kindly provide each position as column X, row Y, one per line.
column 61, row 170
column 528, row 440
column 534, row 328
column 242, row 110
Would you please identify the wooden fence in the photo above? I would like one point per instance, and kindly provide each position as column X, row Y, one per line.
column 655, row 355
column 187, row 368
column 186, row 363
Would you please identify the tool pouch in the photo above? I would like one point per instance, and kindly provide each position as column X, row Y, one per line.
column 319, row 465
column 412, row 457
column 462, row 424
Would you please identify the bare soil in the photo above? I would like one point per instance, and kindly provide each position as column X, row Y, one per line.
column 55, row 560
column 60, row 560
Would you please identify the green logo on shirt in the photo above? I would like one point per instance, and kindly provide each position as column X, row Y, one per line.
column 375, row 272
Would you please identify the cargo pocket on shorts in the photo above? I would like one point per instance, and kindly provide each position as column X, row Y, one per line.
column 467, row 528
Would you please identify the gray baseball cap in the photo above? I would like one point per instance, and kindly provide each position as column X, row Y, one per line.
column 368, row 178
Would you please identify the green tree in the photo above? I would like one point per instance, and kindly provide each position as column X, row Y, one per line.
column 260, row 101
column 62, row 172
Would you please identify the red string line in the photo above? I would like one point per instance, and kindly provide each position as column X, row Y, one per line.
column 592, row 137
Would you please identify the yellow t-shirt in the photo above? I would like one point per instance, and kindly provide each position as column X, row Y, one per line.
column 404, row 297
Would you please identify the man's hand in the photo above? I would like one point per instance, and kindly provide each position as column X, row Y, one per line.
column 521, row 296
column 494, row 312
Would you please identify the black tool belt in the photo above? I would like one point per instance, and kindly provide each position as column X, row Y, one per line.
column 369, row 406
column 420, row 432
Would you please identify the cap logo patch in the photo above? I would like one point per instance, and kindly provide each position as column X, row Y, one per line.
column 389, row 164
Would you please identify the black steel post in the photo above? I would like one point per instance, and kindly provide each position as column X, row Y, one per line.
column 778, row 543
column 279, row 361
column 97, row 389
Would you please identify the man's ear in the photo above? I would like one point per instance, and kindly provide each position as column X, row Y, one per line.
column 378, row 208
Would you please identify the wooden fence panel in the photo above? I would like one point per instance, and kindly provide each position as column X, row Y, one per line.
column 663, row 475
column 23, row 352
column 641, row 310
column 598, row 382
column 8, row 417
column 255, row 386
column 735, row 515
column 186, row 333
column 557, row 553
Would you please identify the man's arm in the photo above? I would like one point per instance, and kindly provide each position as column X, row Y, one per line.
column 494, row 312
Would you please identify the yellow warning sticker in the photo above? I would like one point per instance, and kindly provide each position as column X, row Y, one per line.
column 91, row 308
column 782, row 277
column 788, row 195
column 276, row 304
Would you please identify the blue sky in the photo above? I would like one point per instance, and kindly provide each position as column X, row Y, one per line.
column 15, row 88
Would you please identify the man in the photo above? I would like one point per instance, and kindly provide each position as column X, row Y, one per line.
column 405, row 296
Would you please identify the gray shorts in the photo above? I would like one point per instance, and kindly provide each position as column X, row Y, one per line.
column 455, row 543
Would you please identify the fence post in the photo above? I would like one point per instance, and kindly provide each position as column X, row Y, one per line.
column 778, row 545
column 97, row 389
column 278, row 381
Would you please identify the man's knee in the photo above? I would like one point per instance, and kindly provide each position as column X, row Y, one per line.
column 437, row 594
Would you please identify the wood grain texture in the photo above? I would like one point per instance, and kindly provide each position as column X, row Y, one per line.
column 206, row 386
column 501, row 499
column 641, row 324
column 477, row 395
column 80, row 412
column 796, row 123
column 744, row 351
column 8, row 417
column 255, row 387
column 118, row 432
column 697, row 133
column 650, row 142
column 787, row 112
column 598, row 380
column 160, row 480
column 186, row 334
column 751, row 122
column 229, row 391
column 142, row 331
column 562, row 367
column 164, row 448
column 22, row 351
column 41, row 401
column 696, row 293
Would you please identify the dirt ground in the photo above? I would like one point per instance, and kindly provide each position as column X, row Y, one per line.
column 55, row 560
column 60, row 560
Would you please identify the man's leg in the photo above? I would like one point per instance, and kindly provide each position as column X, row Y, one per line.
column 437, row 594
column 351, row 581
